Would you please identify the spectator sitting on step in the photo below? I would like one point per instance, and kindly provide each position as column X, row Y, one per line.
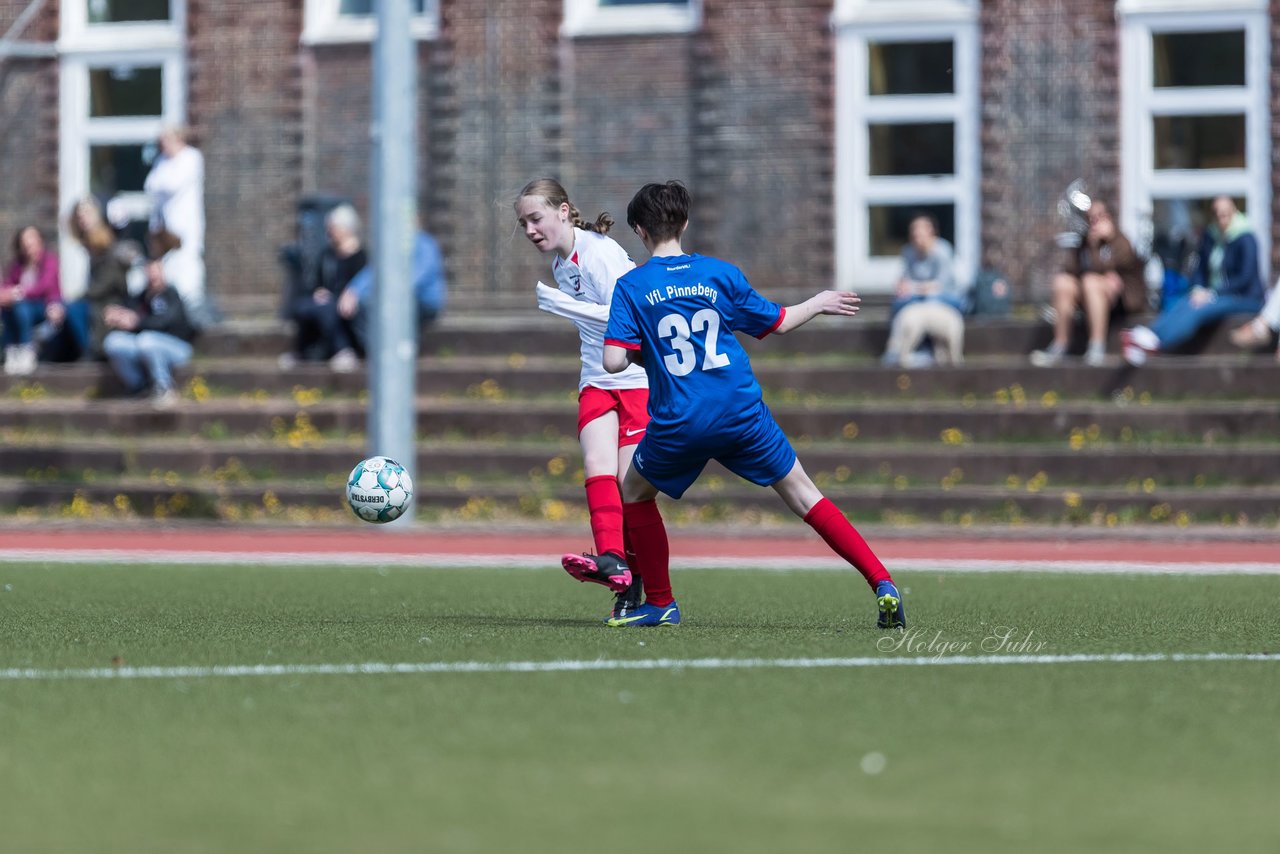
column 320, row 331
column 933, row 321
column 107, row 283
column 927, row 275
column 427, row 266
column 30, row 295
column 1103, row 276
column 150, row 334
column 1227, row 281
column 1261, row 330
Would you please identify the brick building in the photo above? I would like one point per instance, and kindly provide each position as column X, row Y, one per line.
column 807, row 129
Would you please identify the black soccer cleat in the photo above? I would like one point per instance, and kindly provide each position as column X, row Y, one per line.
column 607, row 569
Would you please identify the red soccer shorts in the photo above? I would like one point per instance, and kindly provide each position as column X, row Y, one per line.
column 632, row 405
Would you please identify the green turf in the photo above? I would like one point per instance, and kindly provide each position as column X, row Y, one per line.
column 1123, row 757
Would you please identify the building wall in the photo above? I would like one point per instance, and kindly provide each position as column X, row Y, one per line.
column 742, row 110
column 28, row 131
column 1050, row 114
column 244, row 107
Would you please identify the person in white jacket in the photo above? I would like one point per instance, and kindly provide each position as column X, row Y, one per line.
column 175, row 186
column 612, row 408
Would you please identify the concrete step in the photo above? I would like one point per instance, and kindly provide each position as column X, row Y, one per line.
column 947, row 422
column 1234, row 376
column 940, row 466
column 534, row 333
column 709, row 500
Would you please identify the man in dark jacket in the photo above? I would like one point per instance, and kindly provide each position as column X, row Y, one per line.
column 150, row 335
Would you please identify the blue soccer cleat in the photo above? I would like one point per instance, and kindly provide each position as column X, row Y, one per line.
column 648, row 615
column 889, row 602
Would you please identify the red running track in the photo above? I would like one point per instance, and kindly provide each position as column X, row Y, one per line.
column 898, row 547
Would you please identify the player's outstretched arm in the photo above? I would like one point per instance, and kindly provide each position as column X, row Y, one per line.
column 844, row 303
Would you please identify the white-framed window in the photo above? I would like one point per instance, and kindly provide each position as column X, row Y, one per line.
column 1195, row 117
column 622, row 17
column 907, row 133
column 341, row 21
column 122, row 78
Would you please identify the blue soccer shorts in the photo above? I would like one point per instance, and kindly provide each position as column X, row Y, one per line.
column 756, row 450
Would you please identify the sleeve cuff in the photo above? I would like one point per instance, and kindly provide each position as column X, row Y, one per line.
column 626, row 345
column 782, row 315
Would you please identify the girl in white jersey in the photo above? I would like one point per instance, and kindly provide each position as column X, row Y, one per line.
column 612, row 408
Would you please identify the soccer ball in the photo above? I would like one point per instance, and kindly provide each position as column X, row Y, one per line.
column 379, row 490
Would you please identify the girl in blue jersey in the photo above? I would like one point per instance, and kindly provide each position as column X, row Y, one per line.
column 612, row 412
column 676, row 315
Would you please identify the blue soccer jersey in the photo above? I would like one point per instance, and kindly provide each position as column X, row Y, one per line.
column 681, row 313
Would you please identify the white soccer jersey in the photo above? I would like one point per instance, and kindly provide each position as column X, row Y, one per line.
column 586, row 281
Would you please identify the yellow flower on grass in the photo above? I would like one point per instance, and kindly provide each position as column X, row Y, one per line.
column 850, row 430
column 1071, row 499
column 1149, row 485
column 307, row 396
column 556, row 466
column 1049, row 399
column 198, row 389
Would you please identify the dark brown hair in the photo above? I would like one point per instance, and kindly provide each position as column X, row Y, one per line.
column 660, row 209
column 18, row 252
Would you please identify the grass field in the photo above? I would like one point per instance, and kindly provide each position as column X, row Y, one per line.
column 1051, row 756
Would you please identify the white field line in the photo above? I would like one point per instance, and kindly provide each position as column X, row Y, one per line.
column 375, row 668
column 527, row 561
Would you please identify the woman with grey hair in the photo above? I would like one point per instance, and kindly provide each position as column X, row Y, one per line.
column 320, row 332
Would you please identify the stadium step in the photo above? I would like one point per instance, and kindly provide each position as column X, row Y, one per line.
column 1188, row 439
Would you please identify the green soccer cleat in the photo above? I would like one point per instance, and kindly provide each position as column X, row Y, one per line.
column 648, row 615
column 889, row 603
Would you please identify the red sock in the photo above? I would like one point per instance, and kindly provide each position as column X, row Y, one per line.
column 605, row 503
column 844, row 539
column 648, row 536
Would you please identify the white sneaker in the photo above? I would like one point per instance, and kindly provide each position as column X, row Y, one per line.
column 11, row 360
column 1046, row 358
column 1095, row 357
column 164, row 398
column 344, row 361
column 24, row 360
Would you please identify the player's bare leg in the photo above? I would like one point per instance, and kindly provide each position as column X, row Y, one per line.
column 807, row 501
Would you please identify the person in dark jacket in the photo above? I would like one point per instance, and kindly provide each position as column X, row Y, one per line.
column 320, row 331
column 1227, row 281
column 150, row 335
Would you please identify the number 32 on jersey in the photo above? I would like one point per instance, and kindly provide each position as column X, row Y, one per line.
column 679, row 331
